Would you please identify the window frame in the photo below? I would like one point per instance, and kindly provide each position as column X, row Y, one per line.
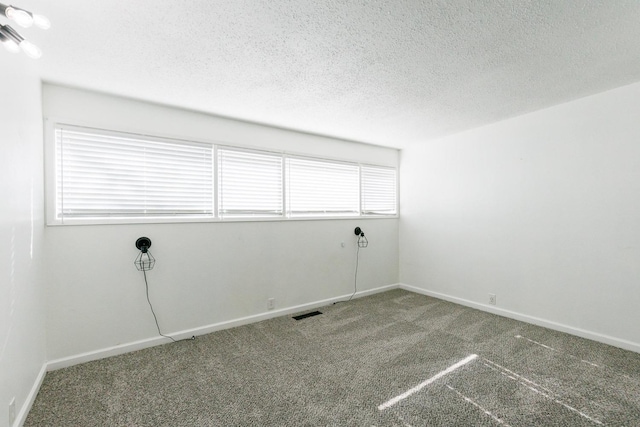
column 50, row 167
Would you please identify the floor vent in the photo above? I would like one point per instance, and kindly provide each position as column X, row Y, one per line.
column 304, row 316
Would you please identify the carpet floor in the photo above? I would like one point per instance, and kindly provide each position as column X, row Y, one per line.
column 391, row 359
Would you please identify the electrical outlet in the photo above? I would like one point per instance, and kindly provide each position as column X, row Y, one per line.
column 12, row 411
column 492, row 299
column 271, row 303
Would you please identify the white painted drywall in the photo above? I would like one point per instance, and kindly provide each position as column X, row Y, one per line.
column 105, row 111
column 22, row 340
column 542, row 210
column 206, row 273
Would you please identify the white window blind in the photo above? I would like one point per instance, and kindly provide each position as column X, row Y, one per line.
column 379, row 195
column 102, row 176
column 321, row 188
column 109, row 174
column 249, row 184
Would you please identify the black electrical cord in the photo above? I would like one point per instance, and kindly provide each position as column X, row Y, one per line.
column 355, row 278
column 146, row 286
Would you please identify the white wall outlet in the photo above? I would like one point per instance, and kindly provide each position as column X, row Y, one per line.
column 271, row 303
column 12, row 411
column 492, row 299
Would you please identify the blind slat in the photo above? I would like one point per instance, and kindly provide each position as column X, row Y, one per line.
column 116, row 174
column 249, row 184
column 379, row 190
column 108, row 174
column 321, row 188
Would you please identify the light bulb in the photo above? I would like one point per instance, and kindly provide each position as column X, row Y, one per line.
column 41, row 21
column 21, row 17
column 11, row 46
column 30, row 49
column 7, row 40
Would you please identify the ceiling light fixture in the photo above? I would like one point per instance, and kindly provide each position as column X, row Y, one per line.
column 11, row 39
column 8, row 43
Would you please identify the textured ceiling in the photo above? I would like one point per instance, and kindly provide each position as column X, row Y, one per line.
column 386, row 72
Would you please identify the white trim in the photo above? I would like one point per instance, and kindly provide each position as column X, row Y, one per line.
column 21, row 417
column 65, row 362
column 175, row 220
column 594, row 336
column 49, row 158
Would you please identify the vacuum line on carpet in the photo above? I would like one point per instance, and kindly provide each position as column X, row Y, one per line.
column 423, row 384
column 557, row 351
column 504, row 370
column 595, row 365
column 605, row 367
column 536, row 388
column 468, row 399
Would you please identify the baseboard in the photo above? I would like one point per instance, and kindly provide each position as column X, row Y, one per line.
column 594, row 336
column 65, row 362
column 21, row 416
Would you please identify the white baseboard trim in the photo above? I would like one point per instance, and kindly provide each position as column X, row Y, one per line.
column 65, row 362
column 594, row 336
column 21, row 416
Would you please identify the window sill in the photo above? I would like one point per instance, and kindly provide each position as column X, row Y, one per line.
column 204, row 220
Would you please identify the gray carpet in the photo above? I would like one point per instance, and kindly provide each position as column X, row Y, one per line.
column 391, row 359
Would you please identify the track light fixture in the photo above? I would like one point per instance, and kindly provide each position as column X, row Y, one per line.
column 11, row 39
column 13, row 42
column 25, row 18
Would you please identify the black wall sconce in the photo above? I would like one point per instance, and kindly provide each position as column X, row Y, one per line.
column 144, row 261
column 362, row 240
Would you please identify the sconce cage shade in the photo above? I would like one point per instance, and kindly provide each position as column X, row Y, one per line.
column 144, row 261
column 362, row 240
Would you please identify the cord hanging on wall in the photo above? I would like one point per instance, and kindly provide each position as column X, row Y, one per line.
column 144, row 261
column 362, row 240
column 362, row 243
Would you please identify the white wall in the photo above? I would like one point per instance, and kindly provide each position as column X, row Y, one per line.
column 22, row 340
column 542, row 210
column 206, row 273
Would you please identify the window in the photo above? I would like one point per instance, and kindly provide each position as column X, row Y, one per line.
column 249, row 184
column 101, row 177
column 378, row 192
column 321, row 188
column 101, row 174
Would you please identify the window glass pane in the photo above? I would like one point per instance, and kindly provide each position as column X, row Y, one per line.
column 379, row 186
column 107, row 174
column 321, row 188
column 249, row 184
